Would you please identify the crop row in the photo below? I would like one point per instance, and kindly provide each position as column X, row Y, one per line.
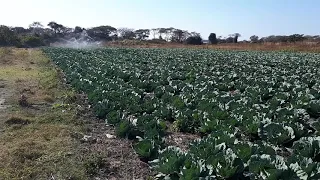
column 258, row 113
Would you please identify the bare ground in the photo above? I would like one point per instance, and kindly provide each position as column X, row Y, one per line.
column 47, row 131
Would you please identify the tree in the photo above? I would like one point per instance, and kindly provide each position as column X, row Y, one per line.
column 31, row 41
column 142, row 34
column 254, row 39
column 20, row 30
column 309, row 38
column 36, row 27
column 57, row 28
column 275, row 39
column 102, row 33
column 7, row 37
column 167, row 32
column 179, row 35
column 36, row 24
column 194, row 40
column 193, row 33
column 78, row 29
column 235, row 37
column 296, row 37
column 48, row 36
column 67, row 30
column 213, row 38
column 161, row 31
column 230, row 39
column 154, row 32
column 126, row 33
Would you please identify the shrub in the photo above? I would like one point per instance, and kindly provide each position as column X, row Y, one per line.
column 213, row 38
column 31, row 41
column 194, row 40
column 7, row 37
column 157, row 41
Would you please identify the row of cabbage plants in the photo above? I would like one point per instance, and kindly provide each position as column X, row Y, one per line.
column 257, row 112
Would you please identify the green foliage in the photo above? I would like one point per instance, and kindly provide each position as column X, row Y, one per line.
column 142, row 33
column 213, row 38
column 123, row 129
column 101, row 32
column 278, row 134
column 313, row 109
column 254, row 39
column 113, row 117
column 7, row 37
column 31, row 41
column 194, row 40
column 254, row 110
column 146, row 149
column 10, row 37
column 171, row 161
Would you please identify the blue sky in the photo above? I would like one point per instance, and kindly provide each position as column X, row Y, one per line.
column 224, row 17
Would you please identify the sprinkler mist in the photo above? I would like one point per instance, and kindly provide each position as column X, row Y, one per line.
column 84, row 41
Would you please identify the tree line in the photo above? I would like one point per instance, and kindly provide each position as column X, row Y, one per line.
column 38, row 35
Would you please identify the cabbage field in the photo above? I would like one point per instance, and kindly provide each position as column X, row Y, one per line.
column 257, row 113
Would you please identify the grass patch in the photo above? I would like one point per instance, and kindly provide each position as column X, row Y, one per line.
column 17, row 120
column 69, row 97
column 36, row 142
column 93, row 163
column 12, row 73
column 39, row 151
column 48, row 98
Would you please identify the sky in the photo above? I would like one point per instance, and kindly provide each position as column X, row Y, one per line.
column 223, row 17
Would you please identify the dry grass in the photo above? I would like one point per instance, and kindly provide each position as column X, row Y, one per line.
column 44, row 140
column 35, row 142
column 292, row 47
column 17, row 120
column 38, row 152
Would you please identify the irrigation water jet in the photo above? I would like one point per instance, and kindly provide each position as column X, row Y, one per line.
column 84, row 41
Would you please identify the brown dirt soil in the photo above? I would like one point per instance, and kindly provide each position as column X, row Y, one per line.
column 181, row 140
column 47, row 131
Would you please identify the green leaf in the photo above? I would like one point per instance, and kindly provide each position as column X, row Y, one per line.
column 123, row 129
column 144, row 148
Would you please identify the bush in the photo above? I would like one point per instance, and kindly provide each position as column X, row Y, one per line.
column 31, row 41
column 7, row 37
column 194, row 40
column 157, row 41
column 213, row 38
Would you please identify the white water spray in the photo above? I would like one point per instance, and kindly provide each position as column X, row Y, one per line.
column 83, row 42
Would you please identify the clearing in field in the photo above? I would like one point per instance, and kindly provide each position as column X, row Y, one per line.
column 252, row 115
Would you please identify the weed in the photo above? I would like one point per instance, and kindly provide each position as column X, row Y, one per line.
column 69, row 97
column 28, row 150
column 93, row 163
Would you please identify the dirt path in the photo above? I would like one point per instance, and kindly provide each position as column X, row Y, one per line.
column 51, row 132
